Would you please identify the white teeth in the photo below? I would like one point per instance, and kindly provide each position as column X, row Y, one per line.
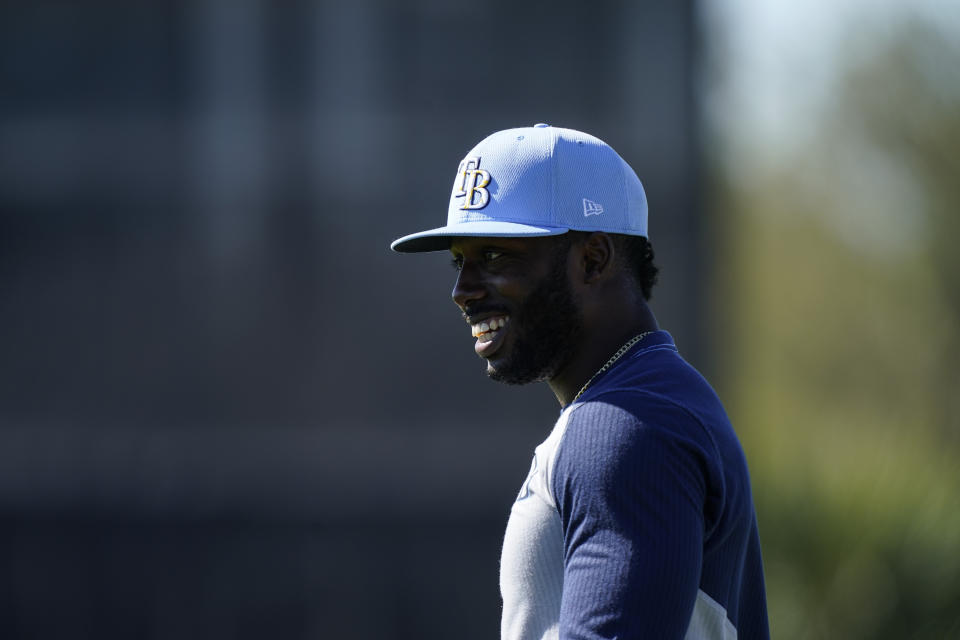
column 487, row 328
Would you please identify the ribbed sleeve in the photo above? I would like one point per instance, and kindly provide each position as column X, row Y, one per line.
column 637, row 519
column 631, row 500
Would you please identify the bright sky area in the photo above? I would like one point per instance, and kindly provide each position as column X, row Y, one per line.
column 780, row 57
column 771, row 72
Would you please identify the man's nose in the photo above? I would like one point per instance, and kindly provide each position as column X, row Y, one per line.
column 469, row 286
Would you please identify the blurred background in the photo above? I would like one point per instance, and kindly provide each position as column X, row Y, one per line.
column 227, row 410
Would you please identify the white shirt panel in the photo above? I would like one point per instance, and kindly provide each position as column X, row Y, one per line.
column 531, row 564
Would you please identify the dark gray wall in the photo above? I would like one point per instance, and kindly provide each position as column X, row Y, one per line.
column 226, row 408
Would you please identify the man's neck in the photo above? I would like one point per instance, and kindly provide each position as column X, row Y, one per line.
column 597, row 347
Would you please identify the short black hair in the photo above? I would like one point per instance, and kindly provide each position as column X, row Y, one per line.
column 636, row 252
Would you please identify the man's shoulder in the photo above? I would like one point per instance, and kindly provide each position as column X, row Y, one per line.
column 617, row 420
column 632, row 423
column 609, row 451
column 659, row 384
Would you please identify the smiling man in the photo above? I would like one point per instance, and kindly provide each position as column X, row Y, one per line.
column 636, row 519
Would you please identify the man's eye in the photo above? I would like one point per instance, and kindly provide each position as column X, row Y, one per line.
column 492, row 255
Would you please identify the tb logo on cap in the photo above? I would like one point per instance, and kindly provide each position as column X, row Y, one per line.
column 471, row 184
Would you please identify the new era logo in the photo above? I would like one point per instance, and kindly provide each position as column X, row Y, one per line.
column 591, row 208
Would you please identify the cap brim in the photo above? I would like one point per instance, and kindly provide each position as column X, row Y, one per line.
column 439, row 239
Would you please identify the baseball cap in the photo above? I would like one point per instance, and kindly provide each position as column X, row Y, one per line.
column 538, row 181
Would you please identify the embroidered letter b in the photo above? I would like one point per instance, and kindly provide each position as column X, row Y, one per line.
column 471, row 184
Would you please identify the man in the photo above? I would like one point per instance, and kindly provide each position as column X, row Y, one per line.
column 636, row 519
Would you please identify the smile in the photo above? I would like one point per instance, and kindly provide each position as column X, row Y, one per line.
column 487, row 330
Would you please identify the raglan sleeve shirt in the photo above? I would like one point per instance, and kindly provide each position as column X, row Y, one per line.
column 630, row 498
column 636, row 519
column 607, row 537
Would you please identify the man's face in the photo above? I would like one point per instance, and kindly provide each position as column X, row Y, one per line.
column 515, row 293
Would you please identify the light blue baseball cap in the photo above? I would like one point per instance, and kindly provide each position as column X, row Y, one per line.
column 538, row 181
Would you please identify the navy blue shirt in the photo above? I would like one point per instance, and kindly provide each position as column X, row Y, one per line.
column 637, row 519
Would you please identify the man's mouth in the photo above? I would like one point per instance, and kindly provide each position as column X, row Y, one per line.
column 488, row 329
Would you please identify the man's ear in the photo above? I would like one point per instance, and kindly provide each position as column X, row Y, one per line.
column 598, row 254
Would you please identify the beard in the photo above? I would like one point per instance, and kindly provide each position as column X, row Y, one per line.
column 548, row 326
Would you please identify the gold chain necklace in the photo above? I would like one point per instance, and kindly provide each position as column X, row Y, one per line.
column 622, row 350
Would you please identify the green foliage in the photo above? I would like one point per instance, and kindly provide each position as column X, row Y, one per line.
column 843, row 351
